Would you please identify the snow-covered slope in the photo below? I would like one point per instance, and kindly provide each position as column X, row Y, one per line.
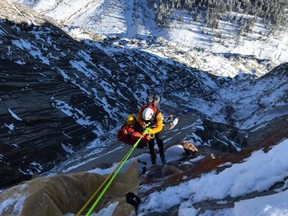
column 187, row 41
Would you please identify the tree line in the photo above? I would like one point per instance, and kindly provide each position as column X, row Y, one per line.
column 273, row 13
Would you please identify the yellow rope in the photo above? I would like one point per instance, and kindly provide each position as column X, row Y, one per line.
column 113, row 177
column 110, row 175
column 97, row 191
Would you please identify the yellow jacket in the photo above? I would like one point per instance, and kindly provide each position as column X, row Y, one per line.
column 157, row 124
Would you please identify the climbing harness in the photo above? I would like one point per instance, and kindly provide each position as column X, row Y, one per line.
column 110, row 178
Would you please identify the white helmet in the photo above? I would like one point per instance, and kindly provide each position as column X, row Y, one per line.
column 147, row 114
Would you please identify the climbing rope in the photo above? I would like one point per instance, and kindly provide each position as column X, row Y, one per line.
column 101, row 186
column 109, row 179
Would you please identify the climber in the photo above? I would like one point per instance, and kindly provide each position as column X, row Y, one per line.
column 168, row 122
column 131, row 131
column 149, row 115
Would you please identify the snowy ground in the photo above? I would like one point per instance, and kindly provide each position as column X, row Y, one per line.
column 188, row 42
column 235, row 181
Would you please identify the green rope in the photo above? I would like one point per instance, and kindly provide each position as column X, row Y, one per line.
column 147, row 129
column 101, row 186
column 114, row 176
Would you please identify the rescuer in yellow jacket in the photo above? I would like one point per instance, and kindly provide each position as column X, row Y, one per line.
column 149, row 115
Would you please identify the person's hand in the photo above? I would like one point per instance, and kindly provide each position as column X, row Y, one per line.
column 145, row 132
column 149, row 130
column 136, row 135
column 146, row 137
column 146, row 125
column 149, row 133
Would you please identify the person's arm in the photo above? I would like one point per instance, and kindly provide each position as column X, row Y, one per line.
column 159, row 123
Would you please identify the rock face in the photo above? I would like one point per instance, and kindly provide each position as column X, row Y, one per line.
column 35, row 134
column 68, row 193
column 33, row 131
column 58, row 94
column 221, row 136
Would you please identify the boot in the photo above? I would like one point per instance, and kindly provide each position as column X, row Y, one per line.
column 153, row 159
column 163, row 159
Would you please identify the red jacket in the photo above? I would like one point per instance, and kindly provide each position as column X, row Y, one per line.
column 130, row 134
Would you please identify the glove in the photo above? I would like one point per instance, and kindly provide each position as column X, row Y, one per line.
column 146, row 137
column 136, row 135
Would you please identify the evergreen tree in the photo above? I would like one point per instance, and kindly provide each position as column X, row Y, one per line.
column 273, row 12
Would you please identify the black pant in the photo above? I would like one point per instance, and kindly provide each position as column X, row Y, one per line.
column 160, row 144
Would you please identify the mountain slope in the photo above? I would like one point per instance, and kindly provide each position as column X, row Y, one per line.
column 61, row 89
column 187, row 37
column 64, row 97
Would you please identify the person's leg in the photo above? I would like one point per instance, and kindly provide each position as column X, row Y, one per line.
column 160, row 144
column 152, row 151
column 141, row 145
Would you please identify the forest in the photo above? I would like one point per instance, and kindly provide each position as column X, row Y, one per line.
column 244, row 13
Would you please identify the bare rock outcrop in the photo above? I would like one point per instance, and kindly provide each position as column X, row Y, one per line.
column 67, row 193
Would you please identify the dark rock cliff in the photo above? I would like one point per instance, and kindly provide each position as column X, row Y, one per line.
column 35, row 134
column 58, row 94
